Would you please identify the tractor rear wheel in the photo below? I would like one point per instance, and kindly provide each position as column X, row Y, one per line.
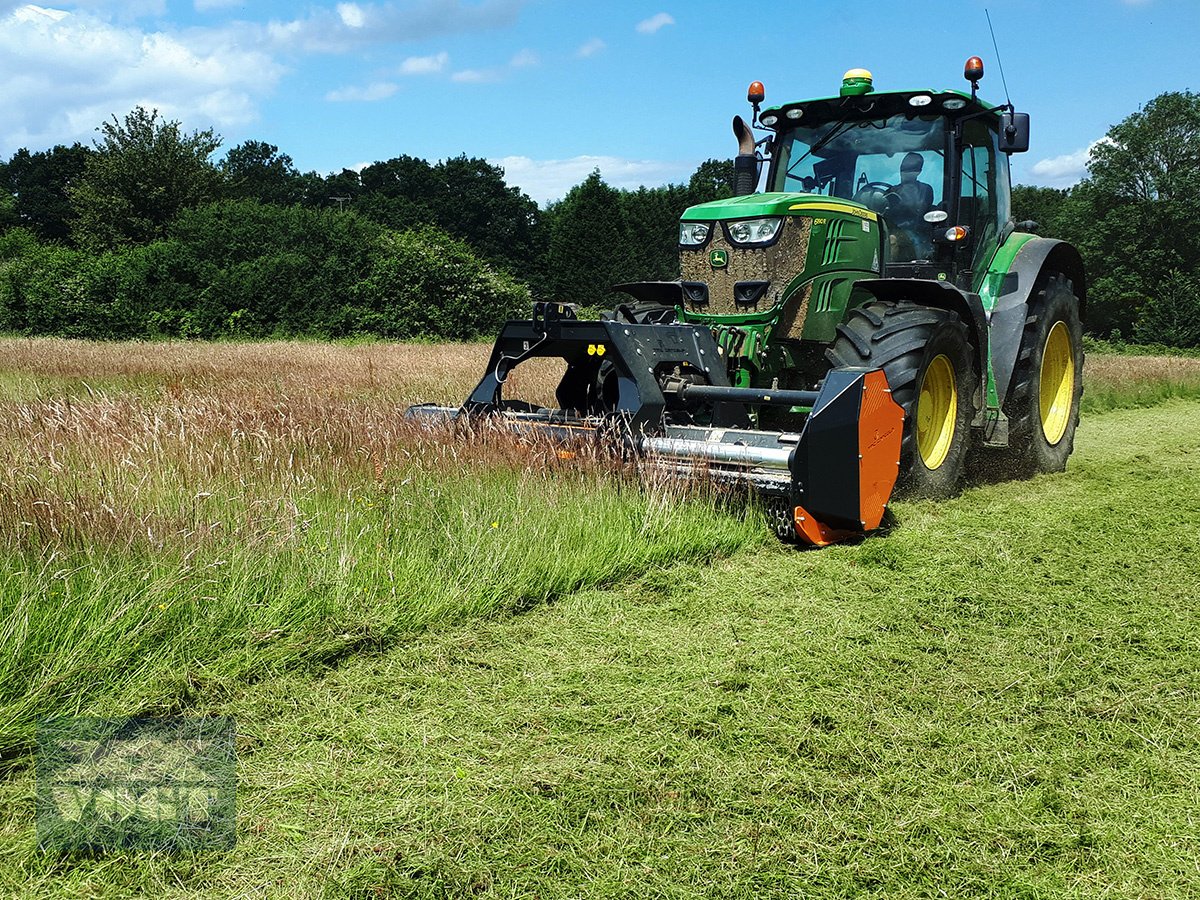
column 1043, row 401
column 927, row 358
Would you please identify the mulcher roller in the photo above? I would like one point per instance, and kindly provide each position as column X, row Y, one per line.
column 662, row 391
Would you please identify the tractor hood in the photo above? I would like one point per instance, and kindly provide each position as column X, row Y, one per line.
column 778, row 203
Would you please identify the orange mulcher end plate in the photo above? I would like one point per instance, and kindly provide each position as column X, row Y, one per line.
column 880, row 429
column 813, row 532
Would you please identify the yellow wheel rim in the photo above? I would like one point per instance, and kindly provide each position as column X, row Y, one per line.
column 937, row 412
column 1057, row 383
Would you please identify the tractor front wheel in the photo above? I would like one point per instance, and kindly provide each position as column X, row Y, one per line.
column 1043, row 401
column 927, row 358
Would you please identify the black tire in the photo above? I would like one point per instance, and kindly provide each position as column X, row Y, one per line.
column 1030, row 449
column 904, row 340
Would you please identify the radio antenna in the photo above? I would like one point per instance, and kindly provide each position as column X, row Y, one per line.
column 999, row 62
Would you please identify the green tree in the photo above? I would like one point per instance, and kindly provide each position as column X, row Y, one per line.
column 1042, row 205
column 589, row 244
column 1135, row 219
column 400, row 193
column 255, row 170
column 712, row 180
column 144, row 172
column 498, row 221
column 1172, row 315
column 652, row 219
column 339, row 190
column 463, row 196
column 260, row 269
column 8, row 210
column 1153, row 154
column 40, row 182
column 424, row 283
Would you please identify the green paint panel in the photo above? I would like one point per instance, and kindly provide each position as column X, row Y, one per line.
column 1001, row 264
column 989, row 288
column 777, row 203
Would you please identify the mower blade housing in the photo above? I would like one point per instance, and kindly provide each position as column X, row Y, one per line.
column 664, row 390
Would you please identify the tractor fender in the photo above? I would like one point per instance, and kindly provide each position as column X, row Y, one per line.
column 1034, row 263
column 942, row 295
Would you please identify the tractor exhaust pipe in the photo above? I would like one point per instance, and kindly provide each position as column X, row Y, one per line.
column 745, row 164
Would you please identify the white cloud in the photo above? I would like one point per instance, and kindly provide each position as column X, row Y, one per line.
column 354, row 25
column 546, row 180
column 590, row 48
column 477, row 76
column 351, row 15
column 36, row 14
column 66, row 70
column 524, row 59
column 425, row 65
column 1066, row 170
column 378, row 90
column 65, row 73
column 654, row 23
column 121, row 10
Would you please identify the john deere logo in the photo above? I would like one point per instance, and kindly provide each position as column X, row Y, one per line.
column 718, row 258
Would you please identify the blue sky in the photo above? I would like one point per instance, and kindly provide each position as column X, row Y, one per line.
column 551, row 89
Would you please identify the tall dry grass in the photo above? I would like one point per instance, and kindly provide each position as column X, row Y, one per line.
column 401, row 373
column 1113, row 382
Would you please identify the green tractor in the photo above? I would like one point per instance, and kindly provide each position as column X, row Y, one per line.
column 883, row 243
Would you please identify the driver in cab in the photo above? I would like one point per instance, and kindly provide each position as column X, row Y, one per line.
column 907, row 204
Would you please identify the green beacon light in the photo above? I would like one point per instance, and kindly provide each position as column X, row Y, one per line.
column 856, row 82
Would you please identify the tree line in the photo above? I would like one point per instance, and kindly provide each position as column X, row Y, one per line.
column 149, row 233
column 1136, row 219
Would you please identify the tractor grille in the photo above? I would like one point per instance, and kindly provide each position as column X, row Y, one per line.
column 778, row 264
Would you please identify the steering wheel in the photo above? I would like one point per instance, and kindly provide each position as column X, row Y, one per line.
column 872, row 194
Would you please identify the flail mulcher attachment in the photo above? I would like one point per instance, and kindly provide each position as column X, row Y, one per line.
column 662, row 390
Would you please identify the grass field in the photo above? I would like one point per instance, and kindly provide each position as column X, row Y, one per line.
column 461, row 671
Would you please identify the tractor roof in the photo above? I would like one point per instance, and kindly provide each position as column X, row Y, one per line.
column 873, row 106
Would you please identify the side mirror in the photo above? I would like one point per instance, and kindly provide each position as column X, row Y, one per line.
column 1014, row 132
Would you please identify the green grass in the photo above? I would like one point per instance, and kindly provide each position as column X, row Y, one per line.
column 142, row 625
column 997, row 699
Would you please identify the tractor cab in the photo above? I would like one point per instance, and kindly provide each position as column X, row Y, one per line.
column 931, row 164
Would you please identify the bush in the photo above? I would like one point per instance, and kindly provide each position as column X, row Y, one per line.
column 269, row 270
column 1172, row 315
column 244, row 269
column 423, row 283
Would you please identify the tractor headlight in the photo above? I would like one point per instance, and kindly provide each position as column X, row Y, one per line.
column 755, row 231
column 693, row 234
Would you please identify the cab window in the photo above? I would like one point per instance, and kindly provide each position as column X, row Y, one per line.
column 978, row 207
column 895, row 166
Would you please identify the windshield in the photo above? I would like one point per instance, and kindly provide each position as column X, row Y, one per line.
column 896, row 166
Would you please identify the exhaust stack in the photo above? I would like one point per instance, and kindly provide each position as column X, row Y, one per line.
column 745, row 164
